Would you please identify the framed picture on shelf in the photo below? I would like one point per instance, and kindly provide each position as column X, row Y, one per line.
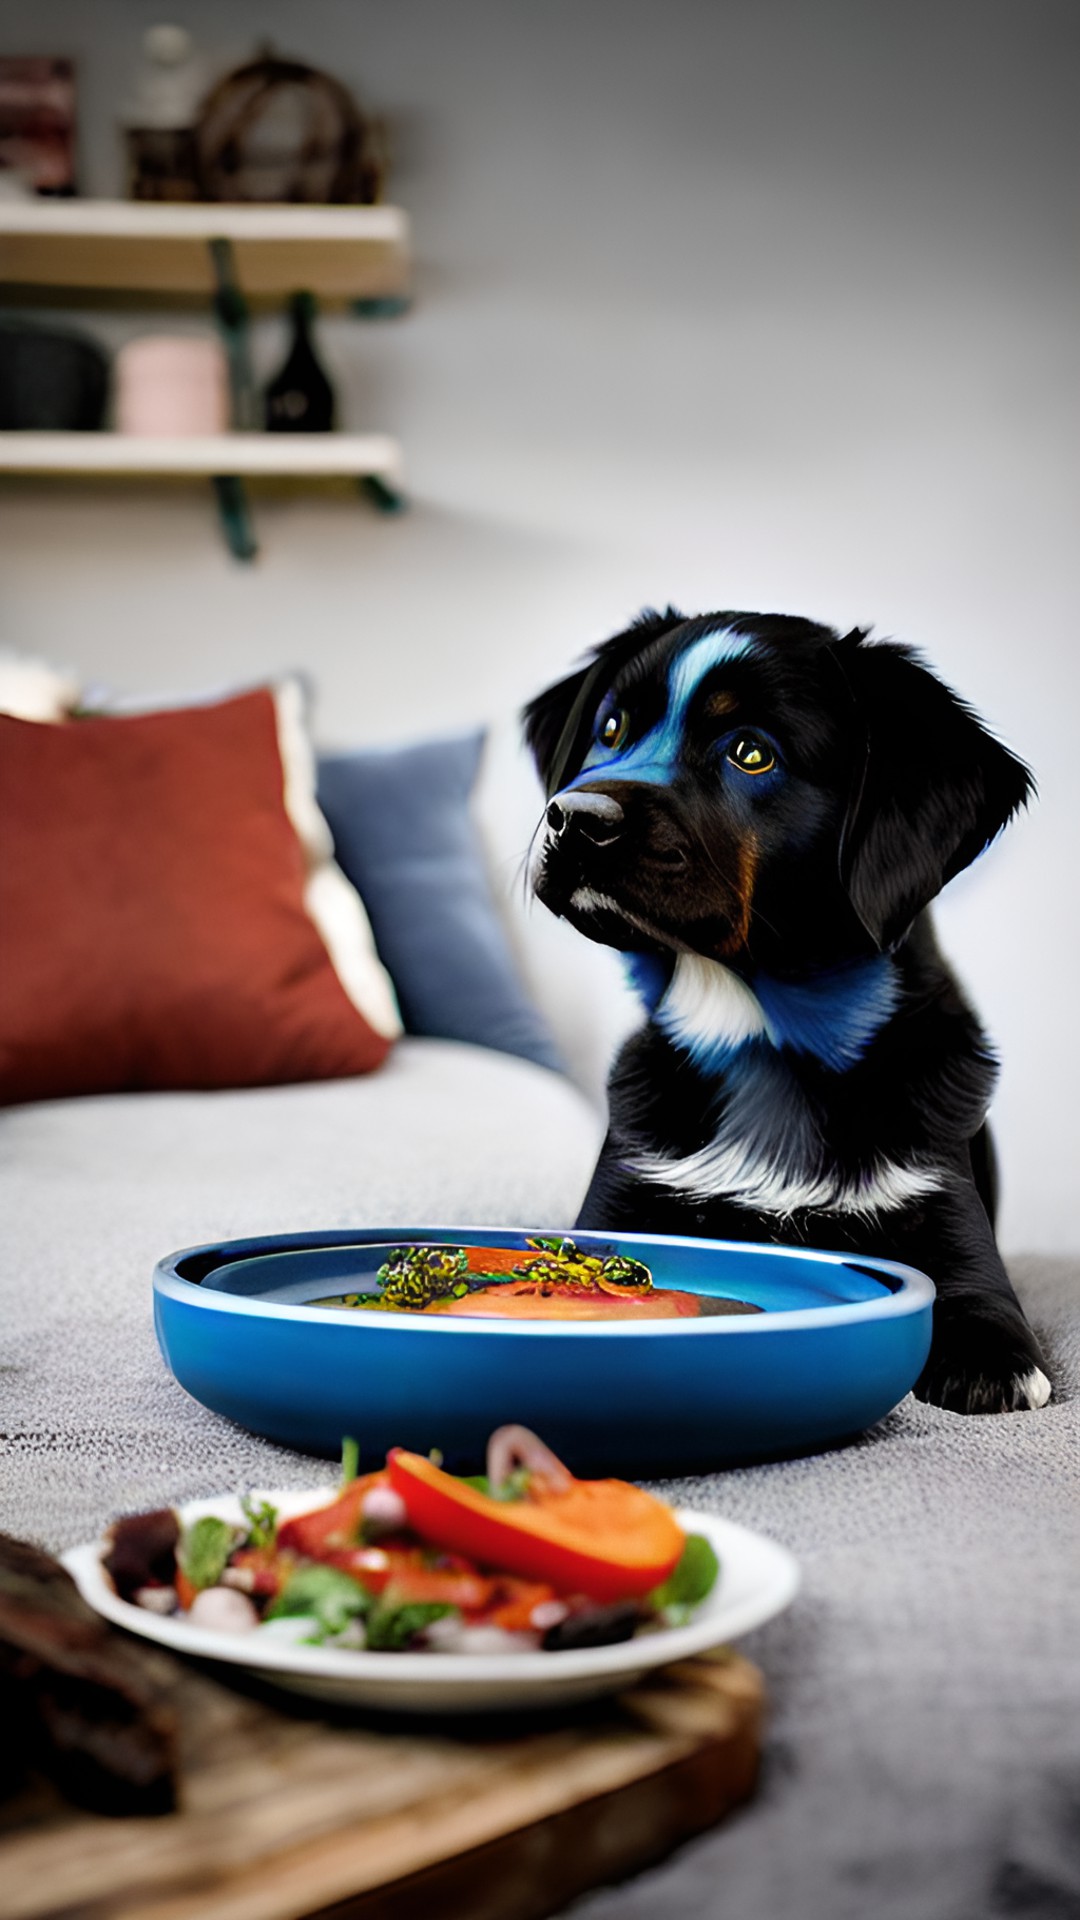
column 37, row 122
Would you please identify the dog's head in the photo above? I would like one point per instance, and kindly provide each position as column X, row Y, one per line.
column 759, row 789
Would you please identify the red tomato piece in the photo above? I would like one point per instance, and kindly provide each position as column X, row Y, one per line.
column 185, row 1591
column 328, row 1528
column 268, row 1569
column 371, row 1566
column 469, row 1592
column 514, row 1601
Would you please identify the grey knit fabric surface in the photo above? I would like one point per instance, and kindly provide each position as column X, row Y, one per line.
column 923, row 1754
column 922, row 1759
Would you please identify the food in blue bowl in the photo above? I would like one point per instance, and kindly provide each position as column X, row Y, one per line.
column 432, row 1337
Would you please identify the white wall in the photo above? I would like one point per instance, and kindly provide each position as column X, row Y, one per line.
column 762, row 305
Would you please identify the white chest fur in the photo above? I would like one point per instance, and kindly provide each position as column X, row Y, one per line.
column 767, row 1153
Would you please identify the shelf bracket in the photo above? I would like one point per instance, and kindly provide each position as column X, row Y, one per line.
column 388, row 498
column 235, row 516
column 385, row 306
column 231, row 309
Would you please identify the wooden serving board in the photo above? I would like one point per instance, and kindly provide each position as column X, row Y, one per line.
column 291, row 1811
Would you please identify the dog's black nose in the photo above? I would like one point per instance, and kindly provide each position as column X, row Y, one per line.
column 596, row 815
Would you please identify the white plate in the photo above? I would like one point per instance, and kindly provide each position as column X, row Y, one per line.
column 757, row 1579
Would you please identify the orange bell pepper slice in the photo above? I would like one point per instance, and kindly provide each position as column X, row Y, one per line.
column 603, row 1538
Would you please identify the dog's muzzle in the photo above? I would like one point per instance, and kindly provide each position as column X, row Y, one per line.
column 597, row 817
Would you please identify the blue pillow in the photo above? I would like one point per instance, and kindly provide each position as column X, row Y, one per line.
column 404, row 836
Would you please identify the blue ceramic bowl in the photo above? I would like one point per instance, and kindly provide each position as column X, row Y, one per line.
column 836, row 1344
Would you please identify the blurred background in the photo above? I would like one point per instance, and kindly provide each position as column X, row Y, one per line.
column 746, row 303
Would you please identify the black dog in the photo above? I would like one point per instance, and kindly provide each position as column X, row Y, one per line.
column 757, row 811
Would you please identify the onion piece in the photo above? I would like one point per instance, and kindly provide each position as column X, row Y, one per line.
column 513, row 1447
column 156, row 1599
column 222, row 1610
column 383, row 1511
column 548, row 1614
column 496, row 1640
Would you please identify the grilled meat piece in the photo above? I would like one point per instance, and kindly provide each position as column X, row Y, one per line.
column 78, row 1700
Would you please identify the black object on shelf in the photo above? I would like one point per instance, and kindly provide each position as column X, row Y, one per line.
column 300, row 398
column 51, row 380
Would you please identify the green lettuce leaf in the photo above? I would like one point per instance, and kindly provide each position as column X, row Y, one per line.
column 331, row 1597
column 204, row 1548
column 389, row 1629
column 689, row 1583
column 262, row 1521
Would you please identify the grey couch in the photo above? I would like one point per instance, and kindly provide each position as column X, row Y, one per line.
column 923, row 1756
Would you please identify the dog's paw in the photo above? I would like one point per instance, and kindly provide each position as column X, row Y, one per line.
column 983, row 1359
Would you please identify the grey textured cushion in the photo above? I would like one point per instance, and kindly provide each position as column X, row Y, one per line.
column 923, row 1755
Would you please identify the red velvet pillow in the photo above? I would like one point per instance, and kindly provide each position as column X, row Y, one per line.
column 153, row 927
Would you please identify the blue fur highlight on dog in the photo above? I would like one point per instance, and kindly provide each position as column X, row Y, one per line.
column 716, row 1054
column 832, row 1016
column 649, row 976
column 655, row 757
column 650, row 759
column 689, row 668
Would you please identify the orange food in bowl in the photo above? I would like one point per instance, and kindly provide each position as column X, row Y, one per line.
column 526, row 1300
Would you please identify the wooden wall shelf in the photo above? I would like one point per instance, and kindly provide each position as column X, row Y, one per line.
column 300, row 455
column 142, row 248
column 229, row 256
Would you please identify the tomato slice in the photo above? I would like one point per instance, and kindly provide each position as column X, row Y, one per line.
column 514, row 1602
column 317, row 1533
column 471, row 1592
column 268, row 1570
column 603, row 1538
column 405, row 1574
column 371, row 1566
column 185, row 1590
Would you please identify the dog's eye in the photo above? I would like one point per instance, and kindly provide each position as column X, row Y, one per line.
column 751, row 754
column 613, row 728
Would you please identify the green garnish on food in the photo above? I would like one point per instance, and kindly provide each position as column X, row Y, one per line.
column 514, row 1487
column 414, row 1276
column 204, row 1548
column 330, row 1597
column 690, row 1582
column 389, row 1629
column 478, row 1481
column 566, row 1266
column 350, row 1459
column 618, row 1270
column 262, row 1522
column 332, row 1600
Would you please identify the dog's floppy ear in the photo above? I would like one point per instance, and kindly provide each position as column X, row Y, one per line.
column 554, row 719
column 557, row 721
column 933, row 790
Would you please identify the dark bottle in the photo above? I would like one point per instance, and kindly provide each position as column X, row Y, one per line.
column 300, row 398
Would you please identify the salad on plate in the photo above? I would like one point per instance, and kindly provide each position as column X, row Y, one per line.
column 411, row 1558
